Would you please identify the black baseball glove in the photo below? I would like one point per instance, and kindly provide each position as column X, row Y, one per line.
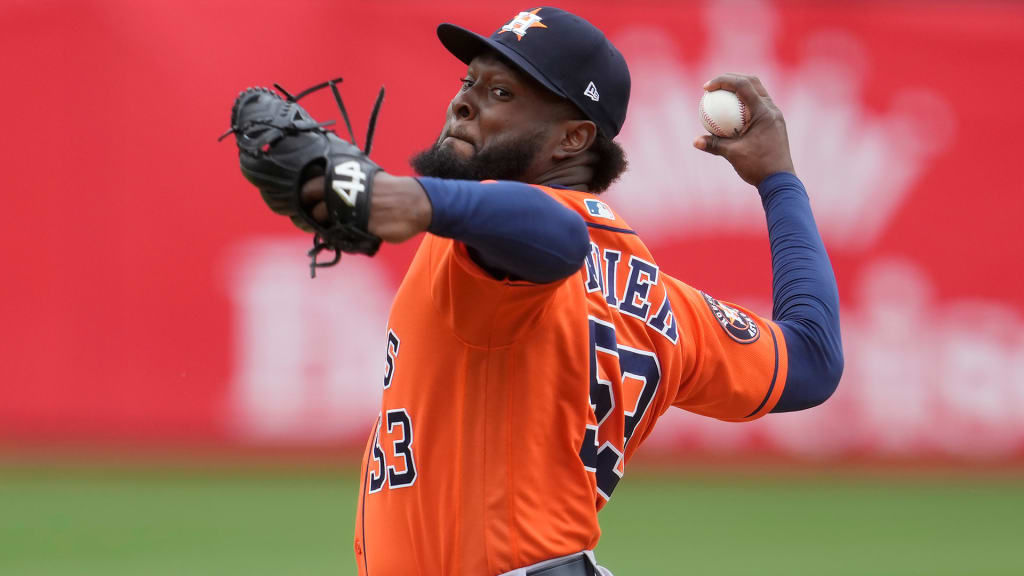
column 280, row 146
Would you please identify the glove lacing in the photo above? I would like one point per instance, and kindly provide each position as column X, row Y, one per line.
column 318, row 243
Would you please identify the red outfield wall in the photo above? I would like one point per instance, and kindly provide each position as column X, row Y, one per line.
column 150, row 296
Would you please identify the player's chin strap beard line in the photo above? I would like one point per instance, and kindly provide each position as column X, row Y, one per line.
column 318, row 244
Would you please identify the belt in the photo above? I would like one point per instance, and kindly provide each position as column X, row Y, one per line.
column 575, row 566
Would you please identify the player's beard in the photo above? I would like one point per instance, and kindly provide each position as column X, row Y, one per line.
column 500, row 160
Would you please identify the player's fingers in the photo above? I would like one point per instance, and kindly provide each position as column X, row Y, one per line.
column 312, row 191
column 763, row 92
column 742, row 86
column 319, row 212
column 712, row 144
column 723, row 82
column 302, row 224
column 759, row 87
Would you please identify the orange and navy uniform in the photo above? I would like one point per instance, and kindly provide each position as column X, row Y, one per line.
column 510, row 409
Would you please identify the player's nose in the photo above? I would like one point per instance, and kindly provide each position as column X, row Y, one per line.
column 463, row 106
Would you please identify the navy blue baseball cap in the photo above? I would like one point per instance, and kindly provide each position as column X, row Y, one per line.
column 568, row 55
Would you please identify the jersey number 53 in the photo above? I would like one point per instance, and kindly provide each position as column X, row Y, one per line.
column 401, row 472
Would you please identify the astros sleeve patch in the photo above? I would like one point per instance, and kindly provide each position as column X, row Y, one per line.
column 737, row 358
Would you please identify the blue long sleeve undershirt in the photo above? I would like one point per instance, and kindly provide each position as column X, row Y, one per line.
column 512, row 230
column 804, row 295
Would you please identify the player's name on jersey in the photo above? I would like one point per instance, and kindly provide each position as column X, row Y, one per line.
column 604, row 268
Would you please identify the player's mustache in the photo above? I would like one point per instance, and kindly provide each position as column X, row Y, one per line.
column 461, row 134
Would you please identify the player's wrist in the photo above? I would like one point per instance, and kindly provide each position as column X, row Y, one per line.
column 778, row 181
column 400, row 210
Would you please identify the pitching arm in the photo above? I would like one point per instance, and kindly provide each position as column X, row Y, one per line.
column 804, row 295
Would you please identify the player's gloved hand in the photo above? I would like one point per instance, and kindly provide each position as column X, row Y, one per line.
column 280, row 146
column 763, row 148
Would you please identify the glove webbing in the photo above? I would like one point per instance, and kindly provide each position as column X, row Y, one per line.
column 318, row 244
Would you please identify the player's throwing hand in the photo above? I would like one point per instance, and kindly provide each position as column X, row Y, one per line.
column 763, row 148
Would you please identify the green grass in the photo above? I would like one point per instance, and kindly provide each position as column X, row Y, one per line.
column 821, row 525
column 155, row 522
column 162, row 521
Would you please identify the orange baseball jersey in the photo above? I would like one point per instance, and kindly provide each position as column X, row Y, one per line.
column 510, row 410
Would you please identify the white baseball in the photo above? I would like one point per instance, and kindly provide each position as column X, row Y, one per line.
column 723, row 113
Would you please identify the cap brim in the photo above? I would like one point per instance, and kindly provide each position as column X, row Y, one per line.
column 466, row 45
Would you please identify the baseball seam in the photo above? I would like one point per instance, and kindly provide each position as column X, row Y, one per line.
column 715, row 128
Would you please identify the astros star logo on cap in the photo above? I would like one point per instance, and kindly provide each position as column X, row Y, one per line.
column 523, row 22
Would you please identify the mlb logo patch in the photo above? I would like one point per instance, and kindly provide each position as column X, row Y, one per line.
column 599, row 209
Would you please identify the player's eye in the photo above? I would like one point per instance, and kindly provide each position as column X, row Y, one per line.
column 467, row 83
column 501, row 93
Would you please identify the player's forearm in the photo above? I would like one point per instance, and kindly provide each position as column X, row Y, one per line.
column 804, row 294
column 513, row 229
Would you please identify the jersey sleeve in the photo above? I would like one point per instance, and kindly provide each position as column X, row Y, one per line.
column 736, row 360
column 481, row 310
column 513, row 229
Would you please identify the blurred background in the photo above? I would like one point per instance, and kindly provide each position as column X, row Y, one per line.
column 178, row 397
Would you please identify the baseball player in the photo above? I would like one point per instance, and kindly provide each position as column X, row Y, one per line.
column 535, row 341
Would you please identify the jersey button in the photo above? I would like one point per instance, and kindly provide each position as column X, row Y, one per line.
column 359, row 548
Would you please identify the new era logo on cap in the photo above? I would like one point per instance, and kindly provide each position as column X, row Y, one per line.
column 591, row 92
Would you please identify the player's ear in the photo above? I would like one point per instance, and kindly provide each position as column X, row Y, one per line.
column 577, row 137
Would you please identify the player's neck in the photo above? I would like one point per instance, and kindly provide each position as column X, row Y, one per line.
column 575, row 173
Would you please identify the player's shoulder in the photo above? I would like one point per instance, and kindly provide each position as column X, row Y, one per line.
column 595, row 211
